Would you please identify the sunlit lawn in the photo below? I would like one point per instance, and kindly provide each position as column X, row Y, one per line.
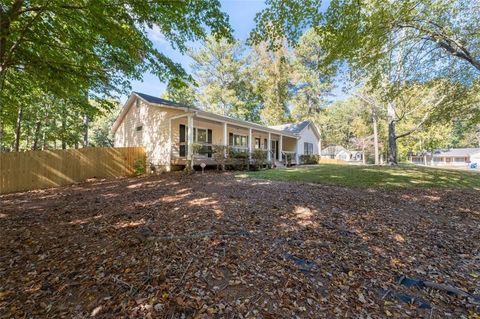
column 373, row 176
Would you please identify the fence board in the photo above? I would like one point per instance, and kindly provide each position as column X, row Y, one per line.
column 22, row 171
column 331, row 161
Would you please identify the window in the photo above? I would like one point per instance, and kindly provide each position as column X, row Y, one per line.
column 139, row 128
column 238, row 141
column 200, row 136
column 258, row 142
column 308, row 148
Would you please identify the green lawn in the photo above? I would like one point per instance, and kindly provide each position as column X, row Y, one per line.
column 373, row 176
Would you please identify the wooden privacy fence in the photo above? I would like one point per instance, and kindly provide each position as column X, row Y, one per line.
column 331, row 161
column 22, row 171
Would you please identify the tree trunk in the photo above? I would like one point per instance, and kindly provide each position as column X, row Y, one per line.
column 18, row 129
column 36, row 136
column 85, row 130
column 1, row 136
column 392, row 137
column 363, row 153
column 64, row 129
column 375, row 134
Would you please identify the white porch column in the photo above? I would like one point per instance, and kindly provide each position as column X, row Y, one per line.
column 297, row 157
column 225, row 137
column 250, row 143
column 190, row 138
column 170, row 144
column 269, row 147
column 280, row 148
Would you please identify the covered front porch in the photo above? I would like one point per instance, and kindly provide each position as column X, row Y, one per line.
column 209, row 131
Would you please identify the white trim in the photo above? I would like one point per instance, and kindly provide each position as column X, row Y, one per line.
column 280, row 148
column 269, row 147
column 250, row 142
column 190, row 137
column 240, row 123
column 169, row 142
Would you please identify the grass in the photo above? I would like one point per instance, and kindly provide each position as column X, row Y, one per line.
column 405, row 176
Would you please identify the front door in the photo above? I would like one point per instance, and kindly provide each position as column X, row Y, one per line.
column 275, row 150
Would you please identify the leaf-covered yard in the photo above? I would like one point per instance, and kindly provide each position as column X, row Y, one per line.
column 405, row 176
column 213, row 245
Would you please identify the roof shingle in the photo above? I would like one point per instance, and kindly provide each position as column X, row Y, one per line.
column 292, row 127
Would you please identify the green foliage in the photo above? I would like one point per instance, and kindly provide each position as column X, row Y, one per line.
column 311, row 80
column 309, row 159
column 99, row 131
column 223, row 81
column 183, row 93
column 82, row 53
column 259, row 159
column 139, row 167
column 289, row 157
column 430, row 39
column 273, row 78
column 237, row 159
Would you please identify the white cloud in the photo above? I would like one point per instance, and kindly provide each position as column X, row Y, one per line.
column 156, row 35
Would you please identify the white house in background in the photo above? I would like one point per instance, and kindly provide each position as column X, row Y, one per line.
column 341, row 153
column 450, row 157
column 167, row 130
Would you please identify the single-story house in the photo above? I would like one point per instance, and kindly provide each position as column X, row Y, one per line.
column 168, row 130
column 341, row 153
column 450, row 157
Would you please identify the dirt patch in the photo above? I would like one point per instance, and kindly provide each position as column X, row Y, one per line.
column 210, row 245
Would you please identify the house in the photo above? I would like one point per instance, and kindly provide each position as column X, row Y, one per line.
column 168, row 131
column 341, row 153
column 450, row 157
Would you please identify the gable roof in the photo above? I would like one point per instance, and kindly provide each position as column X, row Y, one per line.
column 456, row 152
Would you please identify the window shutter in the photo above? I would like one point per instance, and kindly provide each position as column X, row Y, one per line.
column 230, row 139
column 182, row 133
column 265, row 142
column 209, row 136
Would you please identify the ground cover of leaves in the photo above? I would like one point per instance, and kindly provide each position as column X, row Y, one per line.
column 213, row 246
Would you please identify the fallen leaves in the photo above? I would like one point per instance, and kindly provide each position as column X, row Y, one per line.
column 211, row 246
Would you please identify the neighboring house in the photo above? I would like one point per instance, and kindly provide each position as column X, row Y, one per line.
column 341, row 153
column 450, row 157
column 167, row 130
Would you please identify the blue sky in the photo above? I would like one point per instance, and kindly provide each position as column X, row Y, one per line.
column 241, row 14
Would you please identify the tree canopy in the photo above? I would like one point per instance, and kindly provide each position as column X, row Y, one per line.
column 83, row 53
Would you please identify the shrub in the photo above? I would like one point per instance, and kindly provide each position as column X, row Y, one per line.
column 289, row 158
column 309, row 159
column 218, row 154
column 238, row 159
column 259, row 159
column 138, row 167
